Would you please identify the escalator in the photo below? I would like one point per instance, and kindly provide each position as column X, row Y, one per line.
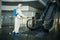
column 46, row 19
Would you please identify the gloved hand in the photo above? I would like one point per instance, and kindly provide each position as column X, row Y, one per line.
column 26, row 17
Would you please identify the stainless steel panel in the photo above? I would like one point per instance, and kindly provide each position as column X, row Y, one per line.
column 18, row 0
column 0, row 15
column 44, row 2
column 24, row 8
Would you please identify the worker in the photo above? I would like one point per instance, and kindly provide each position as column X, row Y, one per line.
column 18, row 18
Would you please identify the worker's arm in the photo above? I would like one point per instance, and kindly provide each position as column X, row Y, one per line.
column 20, row 13
column 23, row 16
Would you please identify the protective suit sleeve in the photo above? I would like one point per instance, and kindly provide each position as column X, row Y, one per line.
column 19, row 12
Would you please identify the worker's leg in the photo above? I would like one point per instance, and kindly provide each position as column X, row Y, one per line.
column 16, row 26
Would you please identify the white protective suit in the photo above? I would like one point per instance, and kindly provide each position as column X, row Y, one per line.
column 18, row 18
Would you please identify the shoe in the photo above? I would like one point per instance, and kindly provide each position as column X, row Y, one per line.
column 17, row 35
column 12, row 33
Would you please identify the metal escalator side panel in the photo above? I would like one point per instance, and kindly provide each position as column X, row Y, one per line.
column 47, row 21
column 44, row 13
column 49, row 13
